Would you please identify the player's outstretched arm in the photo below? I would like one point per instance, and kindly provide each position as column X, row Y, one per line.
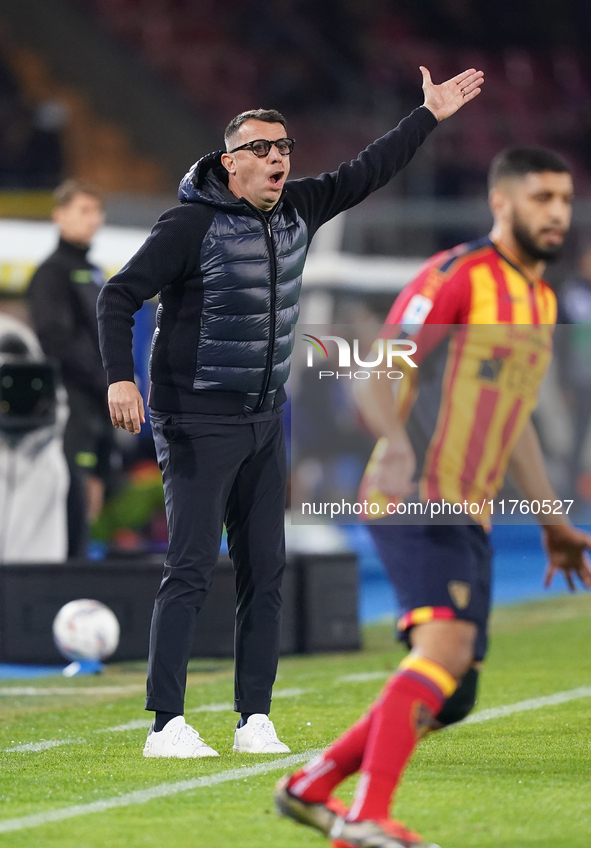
column 565, row 545
column 395, row 461
column 126, row 406
column 444, row 100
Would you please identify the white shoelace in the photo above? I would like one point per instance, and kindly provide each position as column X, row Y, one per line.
column 187, row 730
column 265, row 729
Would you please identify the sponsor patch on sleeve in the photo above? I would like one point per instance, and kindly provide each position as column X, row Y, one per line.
column 416, row 312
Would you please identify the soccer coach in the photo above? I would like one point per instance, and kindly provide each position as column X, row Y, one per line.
column 227, row 267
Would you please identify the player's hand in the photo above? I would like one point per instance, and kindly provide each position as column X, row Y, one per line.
column 566, row 548
column 395, row 466
column 126, row 406
column 445, row 99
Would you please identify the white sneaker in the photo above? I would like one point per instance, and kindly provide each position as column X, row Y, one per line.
column 258, row 737
column 177, row 739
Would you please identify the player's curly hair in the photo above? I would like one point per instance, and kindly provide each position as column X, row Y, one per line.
column 519, row 161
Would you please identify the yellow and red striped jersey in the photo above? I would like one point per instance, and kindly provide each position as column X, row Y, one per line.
column 483, row 328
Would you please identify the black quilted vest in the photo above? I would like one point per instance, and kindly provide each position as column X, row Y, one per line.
column 252, row 272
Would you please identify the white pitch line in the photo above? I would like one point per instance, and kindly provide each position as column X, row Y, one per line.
column 529, row 704
column 290, row 693
column 475, row 718
column 142, row 796
column 212, row 708
column 8, row 691
column 136, row 724
column 43, row 746
column 141, row 724
column 227, row 707
column 162, row 790
column 363, row 676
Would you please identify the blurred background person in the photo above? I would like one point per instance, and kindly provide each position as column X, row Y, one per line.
column 62, row 302
column 574, row 309
column 33, row 470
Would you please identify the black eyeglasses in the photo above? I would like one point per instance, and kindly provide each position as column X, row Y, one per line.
column 261, row 147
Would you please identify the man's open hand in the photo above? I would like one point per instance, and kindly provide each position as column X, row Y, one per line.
column 445, row 99
column 126, row 406
column 566, row 548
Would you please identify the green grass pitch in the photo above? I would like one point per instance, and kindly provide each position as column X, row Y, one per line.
column 511, row 782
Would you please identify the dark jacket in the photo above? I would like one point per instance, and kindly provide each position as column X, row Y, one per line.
column 62, row 298
column 228, row 280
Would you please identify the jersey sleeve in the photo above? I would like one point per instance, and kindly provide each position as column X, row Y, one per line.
column 427, row 307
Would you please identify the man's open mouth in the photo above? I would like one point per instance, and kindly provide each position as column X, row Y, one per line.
column 277, row 177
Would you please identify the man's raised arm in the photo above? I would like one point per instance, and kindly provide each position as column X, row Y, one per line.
column 320, row 199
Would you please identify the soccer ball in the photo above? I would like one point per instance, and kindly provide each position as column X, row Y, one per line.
column 86, row 630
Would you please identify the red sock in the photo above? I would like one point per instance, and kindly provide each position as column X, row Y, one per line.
column 416, row 692
column 317, row 779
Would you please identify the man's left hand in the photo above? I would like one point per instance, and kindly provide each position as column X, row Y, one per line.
column 566, row 548
column 445, row 99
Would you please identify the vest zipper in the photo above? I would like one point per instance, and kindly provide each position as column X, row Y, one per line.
column 273, row 317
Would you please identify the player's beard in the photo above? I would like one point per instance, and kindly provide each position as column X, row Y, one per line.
column 529, row 245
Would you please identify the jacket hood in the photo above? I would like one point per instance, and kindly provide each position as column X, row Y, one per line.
column 206, row 182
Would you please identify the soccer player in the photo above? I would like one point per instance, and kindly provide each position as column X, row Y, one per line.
column 227, row 267
column 482, row 318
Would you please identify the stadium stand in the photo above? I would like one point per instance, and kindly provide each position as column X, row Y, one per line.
column 327, row 67
column 48, row 129
column 30, row 138
column 120, row 94
column 343, row 73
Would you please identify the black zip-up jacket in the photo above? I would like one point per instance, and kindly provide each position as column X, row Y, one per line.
column 62, row 298
column 228, row 279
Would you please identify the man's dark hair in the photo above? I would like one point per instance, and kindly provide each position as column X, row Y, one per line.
column 68, row 190
column 270, row 116
column 519, row 161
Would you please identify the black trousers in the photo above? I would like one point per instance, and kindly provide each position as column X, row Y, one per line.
column 89, row 443
column 215, row 473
